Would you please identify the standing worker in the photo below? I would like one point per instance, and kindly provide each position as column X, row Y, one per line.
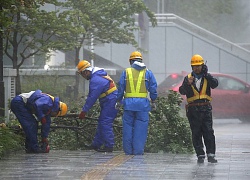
column 134, row 85
column 101, row 87
column 197, row 88
column 44, row 106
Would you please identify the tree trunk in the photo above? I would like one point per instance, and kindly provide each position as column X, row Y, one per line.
column 76, row 88
column 2, row 95
column 15, row 66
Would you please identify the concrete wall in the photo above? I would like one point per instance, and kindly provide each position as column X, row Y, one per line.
column 9, row 78
column 171, row 46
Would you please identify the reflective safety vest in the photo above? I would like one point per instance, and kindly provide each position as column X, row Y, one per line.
column 135, row 83
column 112, row 87
column 52, row 97
column 26, row 96
column 201, row 95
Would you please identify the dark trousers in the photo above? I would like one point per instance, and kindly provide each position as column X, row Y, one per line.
column 201, row 124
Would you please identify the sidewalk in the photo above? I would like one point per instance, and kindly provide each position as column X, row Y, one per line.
column 233, row 154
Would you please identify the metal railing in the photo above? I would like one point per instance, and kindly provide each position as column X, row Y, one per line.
column 170, row 19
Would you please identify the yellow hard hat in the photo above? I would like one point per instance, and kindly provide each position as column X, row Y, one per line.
column 63, row 108
column 197, row 60
column 82, row 65
column 135, row 55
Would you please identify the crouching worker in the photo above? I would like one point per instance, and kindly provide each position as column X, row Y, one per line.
column 43, row 106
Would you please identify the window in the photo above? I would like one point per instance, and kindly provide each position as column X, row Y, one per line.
column 230, row 84
column 171, row 81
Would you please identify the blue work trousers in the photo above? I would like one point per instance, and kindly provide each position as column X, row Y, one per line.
column 135, row 130
column 27, row 121
column 104, row 132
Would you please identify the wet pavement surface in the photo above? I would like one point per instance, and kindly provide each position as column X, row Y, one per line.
column 233, row 154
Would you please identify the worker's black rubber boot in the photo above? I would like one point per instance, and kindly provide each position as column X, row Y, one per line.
column 91, row 147
column 105, row 149
column 212, row 160
column 200, row 160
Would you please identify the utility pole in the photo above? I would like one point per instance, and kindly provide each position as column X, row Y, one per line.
column 2, row 96
column 92, row 50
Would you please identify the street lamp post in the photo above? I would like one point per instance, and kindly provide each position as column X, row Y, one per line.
column 92, row 50
column 2, row 96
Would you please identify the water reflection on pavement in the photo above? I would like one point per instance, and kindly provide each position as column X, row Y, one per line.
column 233, row 154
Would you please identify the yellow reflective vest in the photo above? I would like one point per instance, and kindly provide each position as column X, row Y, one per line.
column 199, row 95
column 135, row 83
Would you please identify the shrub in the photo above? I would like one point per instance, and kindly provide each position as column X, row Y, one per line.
column 73, row 133
column 168, row 130
column 10, row 141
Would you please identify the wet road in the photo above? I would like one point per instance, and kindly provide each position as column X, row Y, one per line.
column 233, row 154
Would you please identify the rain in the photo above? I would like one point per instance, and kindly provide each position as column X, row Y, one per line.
column 218, row 30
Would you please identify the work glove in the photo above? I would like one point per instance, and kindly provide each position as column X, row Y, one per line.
column 82, row 115
column 204, row 70
column 153, row 106
column 45, row 145
column 3, row 125
column 43, row 120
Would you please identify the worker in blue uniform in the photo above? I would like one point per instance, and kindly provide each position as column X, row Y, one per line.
column 43, row 106
column 101, row 87
column 134, row 85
